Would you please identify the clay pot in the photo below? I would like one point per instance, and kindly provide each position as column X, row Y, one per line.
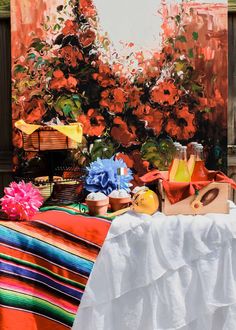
column 118, row 203
column 98, row 207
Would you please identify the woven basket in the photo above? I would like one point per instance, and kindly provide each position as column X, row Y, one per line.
column 45, row 190
column 65, row 193
column 47, row 138
column 45, row 187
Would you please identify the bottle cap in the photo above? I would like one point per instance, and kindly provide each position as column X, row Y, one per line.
column 177, row 144
column 199, row 146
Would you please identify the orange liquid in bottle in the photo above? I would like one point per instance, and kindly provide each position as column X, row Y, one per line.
column 191, row 164
column 199, row 172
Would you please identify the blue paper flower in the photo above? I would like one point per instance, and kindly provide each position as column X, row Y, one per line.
column 102, row 176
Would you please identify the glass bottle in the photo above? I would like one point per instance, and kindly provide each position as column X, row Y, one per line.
column 191, row 150
column 175, row 162
column 182, row 173
column 200, row 172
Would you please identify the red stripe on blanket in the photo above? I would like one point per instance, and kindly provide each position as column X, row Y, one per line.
column 90, row 228
column 21, row 320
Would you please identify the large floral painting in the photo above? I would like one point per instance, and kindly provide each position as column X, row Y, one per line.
column 136, row 74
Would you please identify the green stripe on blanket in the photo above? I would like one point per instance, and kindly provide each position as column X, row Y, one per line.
column 72, row 209
column 37, row 305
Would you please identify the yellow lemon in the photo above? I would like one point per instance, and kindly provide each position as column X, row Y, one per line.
column 145, row 201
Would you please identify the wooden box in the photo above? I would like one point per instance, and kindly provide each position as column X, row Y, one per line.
column 211, row 199
column 47, row 138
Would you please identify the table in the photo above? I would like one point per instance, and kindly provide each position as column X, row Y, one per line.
column 159, row 273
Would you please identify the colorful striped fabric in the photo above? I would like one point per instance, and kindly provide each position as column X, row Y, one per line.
column 44, row 267
column 77, row 208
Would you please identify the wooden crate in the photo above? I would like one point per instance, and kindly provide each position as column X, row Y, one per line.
column 215, row 200
column 47, row 138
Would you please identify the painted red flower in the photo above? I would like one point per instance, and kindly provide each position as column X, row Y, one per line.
column 87, row 8
column 34, row 110
column 134, row 160
column 104, row 68
column 59, row 81
column 87, row 37
column 167, row 51
column 165, row 93
column 71, row 55
column 124, row 134
column 71, row 83
column 70, row 27
column 104, row 77
column 134, row 94
column 142, row 110
column 93, row 123
column 174, row 130
column 117, row 68
column 119, row 95
column 127, row 159
column 151, row 68
column 153, row 118
column 113, row 99
column 183, row 128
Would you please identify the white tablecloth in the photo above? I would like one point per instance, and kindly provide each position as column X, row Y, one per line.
column 164, row 273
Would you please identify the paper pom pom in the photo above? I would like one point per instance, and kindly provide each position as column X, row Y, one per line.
column 103, row 177
column 21, row 201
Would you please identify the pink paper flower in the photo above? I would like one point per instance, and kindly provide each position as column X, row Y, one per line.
column 21, row 201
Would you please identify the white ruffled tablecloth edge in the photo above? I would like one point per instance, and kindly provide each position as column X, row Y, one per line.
column 171, row 269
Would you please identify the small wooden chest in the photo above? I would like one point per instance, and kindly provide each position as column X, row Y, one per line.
column 213, row 198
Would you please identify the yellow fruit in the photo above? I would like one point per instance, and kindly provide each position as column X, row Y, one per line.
column 145, row 201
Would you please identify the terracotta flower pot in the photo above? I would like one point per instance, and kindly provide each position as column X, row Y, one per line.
column 118, row 203
column 97, row 207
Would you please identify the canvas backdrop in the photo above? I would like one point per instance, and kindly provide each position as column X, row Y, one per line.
column 136, row 74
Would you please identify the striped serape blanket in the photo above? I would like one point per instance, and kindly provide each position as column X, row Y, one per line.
column 44, row 268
